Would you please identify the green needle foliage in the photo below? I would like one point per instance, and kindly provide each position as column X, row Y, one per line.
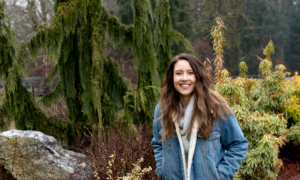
column 17, row 103
column 7, row 53
column 148, row 54
column 7, row 45
column 170, row 17
column 164, row 36
column 144, row 55
column 90, row 84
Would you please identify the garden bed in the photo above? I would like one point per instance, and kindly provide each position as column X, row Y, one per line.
column 290, row 156
column 4, row 175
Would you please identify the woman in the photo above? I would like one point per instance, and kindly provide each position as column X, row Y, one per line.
column 196, row 136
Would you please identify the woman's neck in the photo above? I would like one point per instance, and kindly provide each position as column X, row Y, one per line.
column 184, row 101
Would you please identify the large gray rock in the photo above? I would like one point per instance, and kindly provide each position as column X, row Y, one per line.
column 32, row 155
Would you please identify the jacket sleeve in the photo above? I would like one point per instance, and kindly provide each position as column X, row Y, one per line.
column 156, row 141
column 235, row 143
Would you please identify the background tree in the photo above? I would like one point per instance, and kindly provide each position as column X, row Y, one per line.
column 125, row 12
column 27, row 15
column 266, row 23
column 90, row 84
column 168, row 15
column 232, row 12
column 250, row 24
column 17, row 103
column 182, row 21
column 292, row 54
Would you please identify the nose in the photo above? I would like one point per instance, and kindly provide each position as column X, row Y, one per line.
column 184, row 78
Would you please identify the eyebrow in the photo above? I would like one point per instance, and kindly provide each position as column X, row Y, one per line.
column 182, row 70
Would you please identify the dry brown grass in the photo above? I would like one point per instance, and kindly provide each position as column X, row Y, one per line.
column 126, row 146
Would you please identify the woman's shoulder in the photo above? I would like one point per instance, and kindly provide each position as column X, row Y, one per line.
column 157, row 106
column 157, row 111
column 157, row 117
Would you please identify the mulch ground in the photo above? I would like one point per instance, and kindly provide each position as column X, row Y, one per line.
column 4, row 175
column 290, row 155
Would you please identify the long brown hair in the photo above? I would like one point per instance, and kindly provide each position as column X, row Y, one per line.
column 208, row 103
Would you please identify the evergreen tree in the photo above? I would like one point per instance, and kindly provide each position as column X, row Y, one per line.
column 144, row 56
column 90, row 84
column 180, row 15
column 7, row 52
column 125, row 12
column 76, row 36
column 27, row 16
column 266, row 22
column 164, row 34
column 292, row 57
column 182, row 21
column 250, row 25
column 232, row 12
column 18, row 104
column 145, row 53
column 253, row 35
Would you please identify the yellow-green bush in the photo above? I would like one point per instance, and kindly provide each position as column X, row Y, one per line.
column 259, row 106
column 293, row 110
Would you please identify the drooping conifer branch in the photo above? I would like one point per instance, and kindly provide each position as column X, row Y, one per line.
column 18, row 104
column 164, row 36
column 145, row 56
column 52, row 97
column 40, row 28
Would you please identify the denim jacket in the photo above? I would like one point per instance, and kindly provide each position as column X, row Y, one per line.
column 207, row 159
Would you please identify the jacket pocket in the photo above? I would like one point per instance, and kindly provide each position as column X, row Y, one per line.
column 209, row 145
column 218, row 174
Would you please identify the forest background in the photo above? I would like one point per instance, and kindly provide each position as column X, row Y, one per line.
column 110, row 73
column 249, row 26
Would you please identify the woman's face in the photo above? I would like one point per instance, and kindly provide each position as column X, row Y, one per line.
column 184, row 78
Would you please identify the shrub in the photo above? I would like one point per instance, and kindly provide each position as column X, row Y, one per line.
column 293, row 135
column 114, row 153
column 258, row 106
column 293, row 110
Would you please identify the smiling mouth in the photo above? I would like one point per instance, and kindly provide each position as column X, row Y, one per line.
column 185, row 85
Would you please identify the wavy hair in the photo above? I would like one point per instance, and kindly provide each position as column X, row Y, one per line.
column 208, row 103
